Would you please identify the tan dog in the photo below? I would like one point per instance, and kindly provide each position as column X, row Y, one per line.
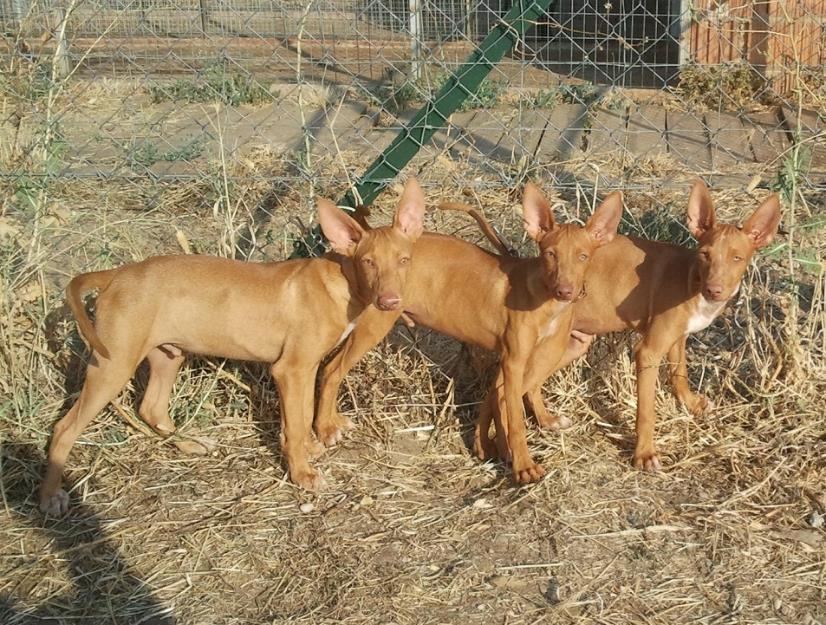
column 664, row 292
column 290, row 313
column 499, row 303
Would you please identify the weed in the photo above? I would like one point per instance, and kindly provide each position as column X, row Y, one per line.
column 732, row 86
column 186, row 152
column 213, row 84
column 585, row 94
column 487, row 96
column 396, row 99
column 145, row 153
column 142, row 154
column 791, row 171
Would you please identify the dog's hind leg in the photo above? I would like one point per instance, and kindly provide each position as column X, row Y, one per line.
column 163, row 369
column 104, row 380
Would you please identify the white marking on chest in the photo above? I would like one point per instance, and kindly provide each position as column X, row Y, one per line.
column 704, row 313
column 346, row 333
column 552, row 325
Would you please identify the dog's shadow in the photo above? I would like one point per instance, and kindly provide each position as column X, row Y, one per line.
column 105, row 588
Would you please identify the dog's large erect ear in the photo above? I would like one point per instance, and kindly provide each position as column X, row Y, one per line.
column 602, row 225
column 700, row 217
column 341, row 230
column 762, row 225
column 537, row 215
column 409, row 219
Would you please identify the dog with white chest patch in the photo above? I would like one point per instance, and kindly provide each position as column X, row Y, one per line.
column 664, row 292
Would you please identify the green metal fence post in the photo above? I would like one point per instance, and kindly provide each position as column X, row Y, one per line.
column 464, row 82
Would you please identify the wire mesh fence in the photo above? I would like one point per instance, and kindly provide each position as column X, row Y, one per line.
column 596, row 94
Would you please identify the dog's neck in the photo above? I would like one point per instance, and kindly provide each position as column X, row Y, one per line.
column 359, row 297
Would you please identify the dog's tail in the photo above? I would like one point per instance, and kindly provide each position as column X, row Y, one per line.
column 74, row 296
column 489, row 231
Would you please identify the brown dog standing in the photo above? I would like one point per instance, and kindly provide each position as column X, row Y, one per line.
column 664, row 292
column 499, row 303
column 290, row 313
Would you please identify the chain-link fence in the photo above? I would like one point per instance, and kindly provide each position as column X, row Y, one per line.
column 597, row 92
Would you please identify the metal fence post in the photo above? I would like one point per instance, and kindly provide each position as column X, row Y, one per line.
column 415, row 39
column 202, row 4
column 62, row 51
column 20, row 10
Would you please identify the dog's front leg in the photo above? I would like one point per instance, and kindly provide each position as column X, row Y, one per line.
column 517, row 349
column 295, row 387
column 695, row 403
column 371, row 327
column 649, row 354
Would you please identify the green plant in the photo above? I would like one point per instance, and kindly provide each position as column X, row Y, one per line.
column 213, row 84
column 146, row 153
column 186, row 152
column 584, row 93
column 487, row 95
column 545, row 98
column 732, row 85
column 792, row 168
column 142, row 154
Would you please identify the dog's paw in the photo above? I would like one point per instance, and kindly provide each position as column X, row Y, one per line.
column 647, row 461
column 55, row 505
column 528, row 474
column 333, row 432
column 555, row 424
column 309, row 479
column 314, row 449
column 696, row 404
column 195, row 446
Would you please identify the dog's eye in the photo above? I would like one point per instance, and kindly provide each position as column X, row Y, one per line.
column 583, row 257
column 738, row 259
column 404, row 260
column 550, row 253
column 368, row 261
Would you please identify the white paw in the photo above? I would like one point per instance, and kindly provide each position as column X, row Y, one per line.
column 562, row 423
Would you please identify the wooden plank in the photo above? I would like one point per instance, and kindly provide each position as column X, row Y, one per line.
column 687, row 141
column 766, row 136
column 608, row 132
column 480, row 133
column 728, row 140
column 646, row 130
column 566, row 126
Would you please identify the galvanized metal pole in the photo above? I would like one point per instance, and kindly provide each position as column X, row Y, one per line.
column 415, row 39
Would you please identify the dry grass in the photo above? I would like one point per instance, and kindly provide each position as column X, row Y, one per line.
column 413, row 528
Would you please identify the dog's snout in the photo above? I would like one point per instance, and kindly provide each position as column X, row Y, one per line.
column 388, row 301
column 713, row 291
column 565, row 291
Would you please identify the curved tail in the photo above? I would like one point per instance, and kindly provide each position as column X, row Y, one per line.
column 74, row 296
column 489, row 231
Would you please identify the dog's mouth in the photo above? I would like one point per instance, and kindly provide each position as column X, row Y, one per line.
column 389, row 304
column 716, row 299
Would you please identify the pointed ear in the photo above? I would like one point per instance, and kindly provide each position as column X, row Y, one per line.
column 410, row 211
column 537, row 216
column 762, row 225
column 700, row 217
column 602, row 226
column 341, row 230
